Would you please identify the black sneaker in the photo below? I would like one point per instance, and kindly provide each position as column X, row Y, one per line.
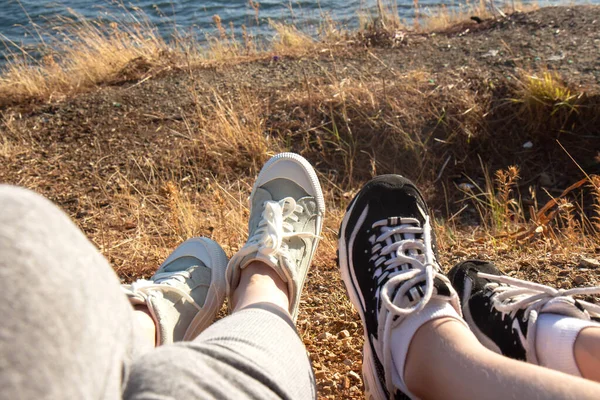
column 387, row 247
column 502, row 311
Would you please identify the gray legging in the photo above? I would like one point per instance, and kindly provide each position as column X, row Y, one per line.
column 66, row 330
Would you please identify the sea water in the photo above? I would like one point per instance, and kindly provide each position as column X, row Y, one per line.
column 22, row 22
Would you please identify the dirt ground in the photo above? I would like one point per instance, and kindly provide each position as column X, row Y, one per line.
column 105, row 156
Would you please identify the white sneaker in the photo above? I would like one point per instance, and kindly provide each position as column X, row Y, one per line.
column 286, row 217
column 186, row 292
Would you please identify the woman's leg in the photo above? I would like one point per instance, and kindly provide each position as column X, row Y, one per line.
column 254, row 353
column 530, row 322
column 445, row 360
column 416, row 342
column 587, row 353
column 66, row 329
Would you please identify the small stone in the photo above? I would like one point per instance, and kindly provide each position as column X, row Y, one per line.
column 545, row 180
column 589, row 263
column 320, row 374
column 528, row 145
column 354, row 375
column 579, row 280
column 564, row 272
column 348, row 362
column 343, row 334
column 324, row 336
column 346, row 382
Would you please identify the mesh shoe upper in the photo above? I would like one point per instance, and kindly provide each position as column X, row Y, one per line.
column 387, row 257
column 502, row 311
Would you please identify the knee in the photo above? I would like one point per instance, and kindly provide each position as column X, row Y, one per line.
column 18, row 202
column 37, row 237
column 26, row 214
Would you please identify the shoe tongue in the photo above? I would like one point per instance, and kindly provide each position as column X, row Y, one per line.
column 562, row 306
column 261, row 195
column 258, row 200
column 391, row 223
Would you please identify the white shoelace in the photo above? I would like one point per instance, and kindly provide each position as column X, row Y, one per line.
column 164, row 282
column 517, row 294
column 274, row 228
column 412, row 262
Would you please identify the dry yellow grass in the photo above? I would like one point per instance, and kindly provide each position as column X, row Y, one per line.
column 444, row 17
column 82, row 56
column 230, row 127
column 289, row 37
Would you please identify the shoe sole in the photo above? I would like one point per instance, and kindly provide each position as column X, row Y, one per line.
column 373, row 388
column 215, row 296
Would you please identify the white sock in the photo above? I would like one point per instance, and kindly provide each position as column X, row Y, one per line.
column 403, row 334
column 555, row 341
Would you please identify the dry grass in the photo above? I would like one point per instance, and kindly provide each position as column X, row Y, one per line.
column 14, row 141
column 595, row 185
column 546, row 101
column 199, row 185
column 499, row 210
column 6, row 147
column 289, row 37
column 230, row 127
column 444, row 17
column 359, row 126
column 81, row 56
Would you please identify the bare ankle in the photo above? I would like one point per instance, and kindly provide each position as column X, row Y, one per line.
column 259, row 283
column 587, row 353
column 145, row 324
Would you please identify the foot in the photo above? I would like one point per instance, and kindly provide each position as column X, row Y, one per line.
column 186, row 292
column 387, row 258
column 286, row 217
column 502, row 311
